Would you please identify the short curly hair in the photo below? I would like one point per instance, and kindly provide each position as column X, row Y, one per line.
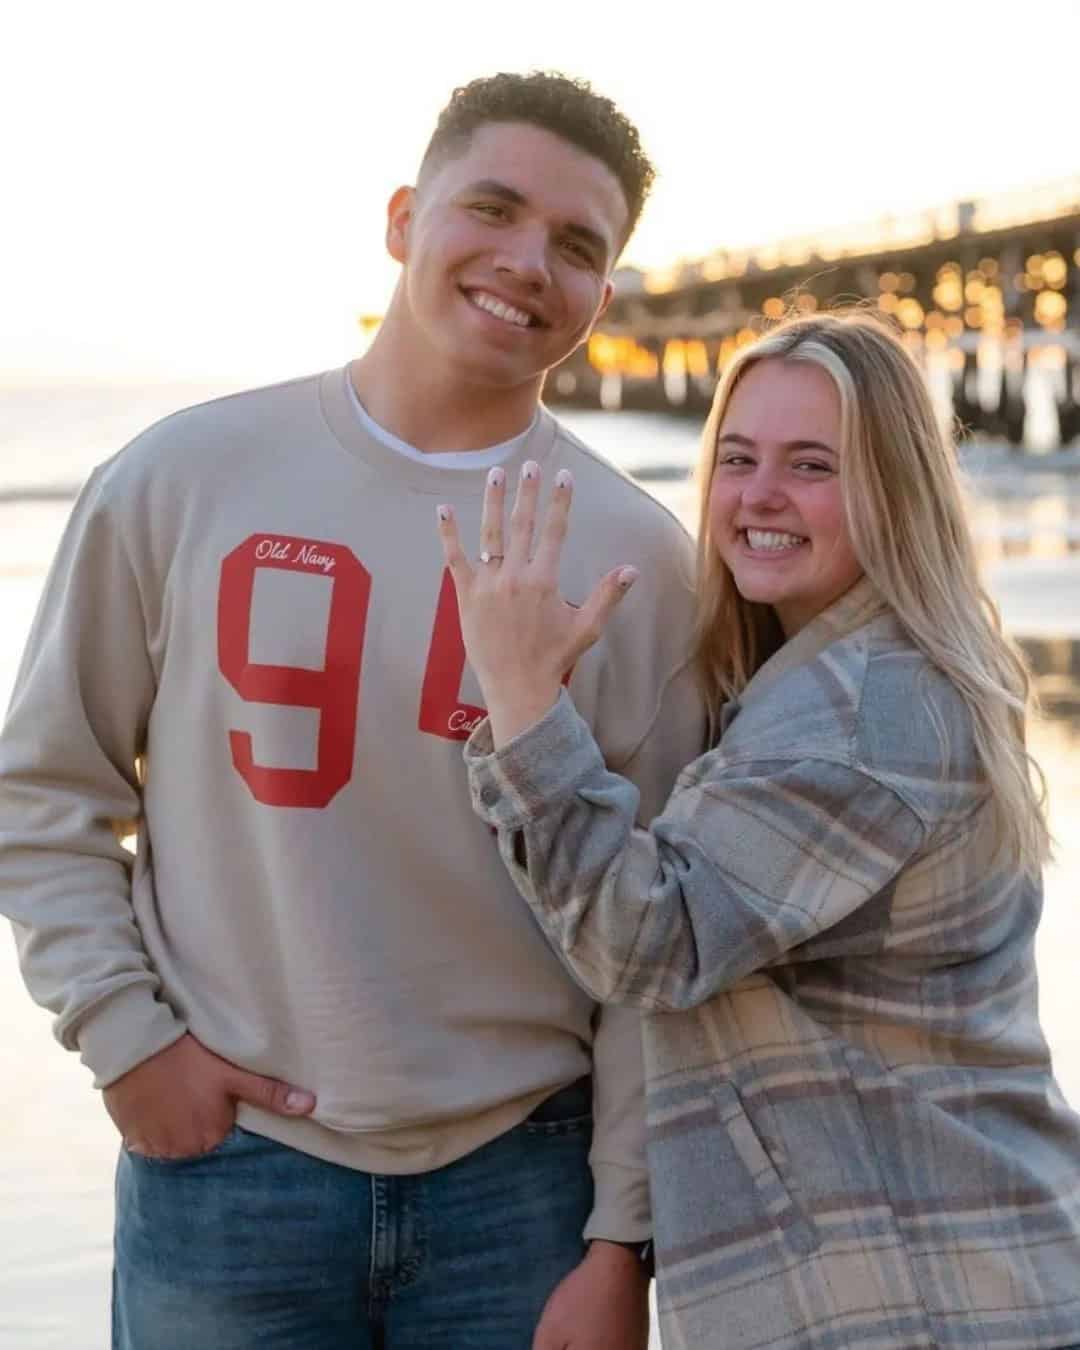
column 566, row 107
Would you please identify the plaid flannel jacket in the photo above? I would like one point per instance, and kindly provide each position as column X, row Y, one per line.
column 855, row 1139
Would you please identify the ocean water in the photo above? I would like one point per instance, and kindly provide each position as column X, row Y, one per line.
column 53, row 433
column 57, row 1147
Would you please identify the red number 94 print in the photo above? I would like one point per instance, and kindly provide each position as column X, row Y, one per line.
column 334, row 690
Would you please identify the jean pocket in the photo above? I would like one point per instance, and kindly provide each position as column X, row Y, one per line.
column 568, row 1111
column 221, row 1146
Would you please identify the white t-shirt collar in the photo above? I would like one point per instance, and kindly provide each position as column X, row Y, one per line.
column 442, row 459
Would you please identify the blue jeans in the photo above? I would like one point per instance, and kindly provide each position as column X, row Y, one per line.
column 255, row 1246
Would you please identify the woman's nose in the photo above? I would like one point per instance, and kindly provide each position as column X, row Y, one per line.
column 763, row 488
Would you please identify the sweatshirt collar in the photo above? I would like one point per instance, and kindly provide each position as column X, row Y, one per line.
column 369, row 452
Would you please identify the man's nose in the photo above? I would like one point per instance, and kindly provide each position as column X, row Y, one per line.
column 525, row 255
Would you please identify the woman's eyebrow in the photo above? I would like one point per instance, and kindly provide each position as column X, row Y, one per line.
column 735, row 438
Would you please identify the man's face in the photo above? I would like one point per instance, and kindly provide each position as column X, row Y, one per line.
column 507, row 250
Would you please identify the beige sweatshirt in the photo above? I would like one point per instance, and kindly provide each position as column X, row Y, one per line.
column 248, row 645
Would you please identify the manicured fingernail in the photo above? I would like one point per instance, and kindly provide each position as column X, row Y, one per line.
column 563, row 479
column 298, row 1101
column 530, row 469
column 444, row 513
column 496, row 476
column 627, row 577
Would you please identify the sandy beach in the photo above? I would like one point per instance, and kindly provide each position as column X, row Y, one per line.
column 57, row 1148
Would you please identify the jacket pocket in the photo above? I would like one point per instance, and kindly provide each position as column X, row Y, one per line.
column 722, row 1213
column 777, row 1201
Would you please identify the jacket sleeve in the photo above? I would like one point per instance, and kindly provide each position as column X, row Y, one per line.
column 743, row 867
column 69, row 789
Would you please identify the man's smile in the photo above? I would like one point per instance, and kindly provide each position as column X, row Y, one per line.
column 501, row 309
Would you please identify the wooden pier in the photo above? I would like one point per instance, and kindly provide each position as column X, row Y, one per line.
column 985, row 292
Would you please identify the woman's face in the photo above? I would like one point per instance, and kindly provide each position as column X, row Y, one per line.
column 775, row 510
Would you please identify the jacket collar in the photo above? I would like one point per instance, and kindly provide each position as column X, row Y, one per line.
column 855, row 608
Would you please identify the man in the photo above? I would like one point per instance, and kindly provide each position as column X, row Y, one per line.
column 352, row 1082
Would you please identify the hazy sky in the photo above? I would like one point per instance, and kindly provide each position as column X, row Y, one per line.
column 199, row 188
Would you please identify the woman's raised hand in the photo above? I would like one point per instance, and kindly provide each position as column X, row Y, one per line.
column 521, row 636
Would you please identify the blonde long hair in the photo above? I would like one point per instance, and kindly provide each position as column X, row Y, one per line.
column 905, row 512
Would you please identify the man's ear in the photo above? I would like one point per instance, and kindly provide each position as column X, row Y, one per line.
column 609, row 291
column 399, row 212
column 605, row 300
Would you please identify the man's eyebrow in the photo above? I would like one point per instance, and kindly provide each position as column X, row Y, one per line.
column 734, row 438
column 491, row 187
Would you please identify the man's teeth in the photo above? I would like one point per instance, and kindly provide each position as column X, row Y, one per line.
column 500, row 310
column 772, row 539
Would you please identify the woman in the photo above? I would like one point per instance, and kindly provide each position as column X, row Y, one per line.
column 854, row 1135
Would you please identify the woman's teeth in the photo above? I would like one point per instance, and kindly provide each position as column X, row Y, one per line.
column 772, row 540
